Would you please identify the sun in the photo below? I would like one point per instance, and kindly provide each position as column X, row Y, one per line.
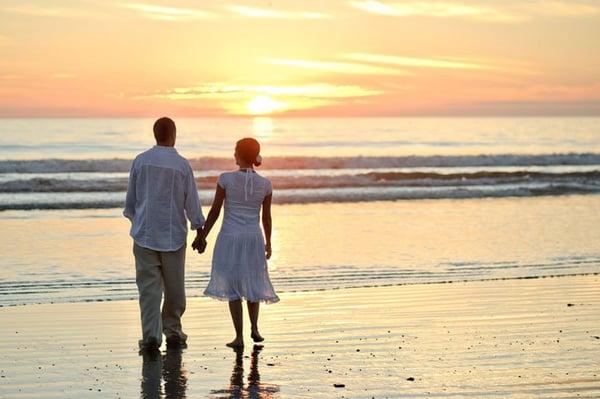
column 261, row 105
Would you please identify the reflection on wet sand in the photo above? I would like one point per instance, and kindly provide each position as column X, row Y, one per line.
column 167, row 367
column 254, row 388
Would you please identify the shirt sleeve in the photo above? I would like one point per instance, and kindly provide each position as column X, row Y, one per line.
column 268, row 188
column 130, row 199
column 222, row 181
column 193, row 210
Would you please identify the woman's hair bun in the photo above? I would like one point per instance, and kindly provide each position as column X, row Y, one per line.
column 248, row 149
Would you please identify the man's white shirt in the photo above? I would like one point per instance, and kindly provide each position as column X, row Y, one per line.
column 161, row 194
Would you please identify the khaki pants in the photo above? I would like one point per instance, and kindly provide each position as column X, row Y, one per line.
column 156, row 271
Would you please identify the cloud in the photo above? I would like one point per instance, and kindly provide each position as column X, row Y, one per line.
column 251, row 99
column 62, row 75
column 254, row 12
column 422, row 8
column 339, row 67
column 37, row 11
column 165, row 13
column 415, row 62
column 526, row 108
column 502, row 11
column 220, row 90
column 9, row 76
column 561, row 8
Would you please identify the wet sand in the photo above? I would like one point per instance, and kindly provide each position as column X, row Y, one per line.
column 495, row 339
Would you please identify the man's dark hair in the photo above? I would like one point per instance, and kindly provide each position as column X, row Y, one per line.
column 164, row 129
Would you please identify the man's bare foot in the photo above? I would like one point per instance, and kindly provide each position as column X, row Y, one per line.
column 236, row 343
column 256, row 336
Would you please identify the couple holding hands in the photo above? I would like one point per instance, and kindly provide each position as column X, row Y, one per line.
column 161, row 197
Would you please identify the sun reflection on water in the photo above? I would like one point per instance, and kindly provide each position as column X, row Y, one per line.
column 262, row 127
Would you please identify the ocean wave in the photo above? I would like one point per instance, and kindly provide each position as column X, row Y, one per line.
column 215, row 163
column 98, row 200
column 81, row 184
column 386, row 178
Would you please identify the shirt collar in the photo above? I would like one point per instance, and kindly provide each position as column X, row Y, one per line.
column 164, row 148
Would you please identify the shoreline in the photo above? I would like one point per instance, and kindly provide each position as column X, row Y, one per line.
column 518, row 338
column 550, row 276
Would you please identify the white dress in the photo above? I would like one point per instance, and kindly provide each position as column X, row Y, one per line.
column 239, row 266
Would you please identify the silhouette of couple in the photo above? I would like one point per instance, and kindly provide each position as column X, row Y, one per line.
column 161, row 198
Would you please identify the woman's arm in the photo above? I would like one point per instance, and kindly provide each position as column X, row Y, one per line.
column 266, row 221
column 211, row 219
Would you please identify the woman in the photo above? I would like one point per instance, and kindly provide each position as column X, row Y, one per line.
column 239, row 265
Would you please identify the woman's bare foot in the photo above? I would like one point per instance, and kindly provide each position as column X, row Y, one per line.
column 256, row 336
column 236, row 343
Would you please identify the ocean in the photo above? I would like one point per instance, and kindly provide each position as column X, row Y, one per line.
column 360, row 201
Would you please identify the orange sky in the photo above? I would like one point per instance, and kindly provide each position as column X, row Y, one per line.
column 301, row 58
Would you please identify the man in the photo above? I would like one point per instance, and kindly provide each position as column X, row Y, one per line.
column 160, row 195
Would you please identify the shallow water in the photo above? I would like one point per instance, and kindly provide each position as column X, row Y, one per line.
column 85, row 255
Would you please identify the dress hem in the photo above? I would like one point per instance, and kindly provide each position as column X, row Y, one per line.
column 269, row 300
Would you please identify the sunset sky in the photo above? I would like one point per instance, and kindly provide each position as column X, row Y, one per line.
column 299, row 58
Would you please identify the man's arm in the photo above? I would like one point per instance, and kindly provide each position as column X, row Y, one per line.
column 129, row 211
column 193, row 210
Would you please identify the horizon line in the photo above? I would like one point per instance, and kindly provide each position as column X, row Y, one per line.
column 292, row 116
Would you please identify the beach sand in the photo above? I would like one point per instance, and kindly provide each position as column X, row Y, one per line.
column 521, row 338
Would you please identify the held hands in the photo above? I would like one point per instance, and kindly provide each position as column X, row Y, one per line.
column 199, row 243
